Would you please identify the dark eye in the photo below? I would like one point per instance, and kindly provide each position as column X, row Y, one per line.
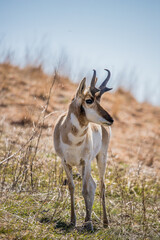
column 89, row 101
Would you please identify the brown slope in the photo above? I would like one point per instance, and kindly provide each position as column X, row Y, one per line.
column 136, row 130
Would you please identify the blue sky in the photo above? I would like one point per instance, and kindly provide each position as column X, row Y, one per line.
column 121, row 35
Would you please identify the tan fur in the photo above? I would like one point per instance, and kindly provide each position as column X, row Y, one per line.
column 94, row 128
column 57, row 131
column 74, row 130
column 84, row 133
column 80, row 143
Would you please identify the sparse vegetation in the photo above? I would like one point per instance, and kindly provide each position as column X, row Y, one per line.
column 34, row 196
column 35, row 201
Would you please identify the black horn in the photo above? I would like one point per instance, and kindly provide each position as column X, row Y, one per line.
column 103, row 87
column 106, row 80
column 93, row 89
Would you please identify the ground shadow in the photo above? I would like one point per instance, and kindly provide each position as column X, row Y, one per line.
column 65, row 226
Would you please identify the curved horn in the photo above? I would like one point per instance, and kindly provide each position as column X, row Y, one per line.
column 103, row 85
column 93, row 89
column 93, row 82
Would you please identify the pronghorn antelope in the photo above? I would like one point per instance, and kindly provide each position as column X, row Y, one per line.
column 79, row 137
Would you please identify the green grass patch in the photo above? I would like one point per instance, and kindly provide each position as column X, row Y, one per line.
column 35, row 201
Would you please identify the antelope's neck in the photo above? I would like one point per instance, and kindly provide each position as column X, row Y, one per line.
column 74, row 131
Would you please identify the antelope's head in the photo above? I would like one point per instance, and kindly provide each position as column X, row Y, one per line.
column 88, row 100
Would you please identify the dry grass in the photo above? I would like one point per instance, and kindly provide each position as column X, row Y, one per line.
column 34, row 197
column 35, row 200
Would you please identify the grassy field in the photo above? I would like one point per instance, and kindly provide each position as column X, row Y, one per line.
column 35, row 202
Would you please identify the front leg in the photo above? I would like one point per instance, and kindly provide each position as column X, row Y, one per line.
column 88, row 192
column 68, row 170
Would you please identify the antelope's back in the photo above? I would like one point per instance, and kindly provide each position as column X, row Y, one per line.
column 56, row 134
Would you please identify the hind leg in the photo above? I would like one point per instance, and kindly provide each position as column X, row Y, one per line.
column 101, row 162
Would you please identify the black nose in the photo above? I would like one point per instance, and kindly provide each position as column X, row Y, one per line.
column 112, row 121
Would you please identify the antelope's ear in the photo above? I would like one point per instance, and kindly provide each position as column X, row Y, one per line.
column 81, row 87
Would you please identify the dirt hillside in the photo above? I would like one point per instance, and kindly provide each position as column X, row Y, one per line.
column 23, row 94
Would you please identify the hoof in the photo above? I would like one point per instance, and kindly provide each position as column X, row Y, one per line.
column 105, row 223
column 88, row 226
column 72, row 224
